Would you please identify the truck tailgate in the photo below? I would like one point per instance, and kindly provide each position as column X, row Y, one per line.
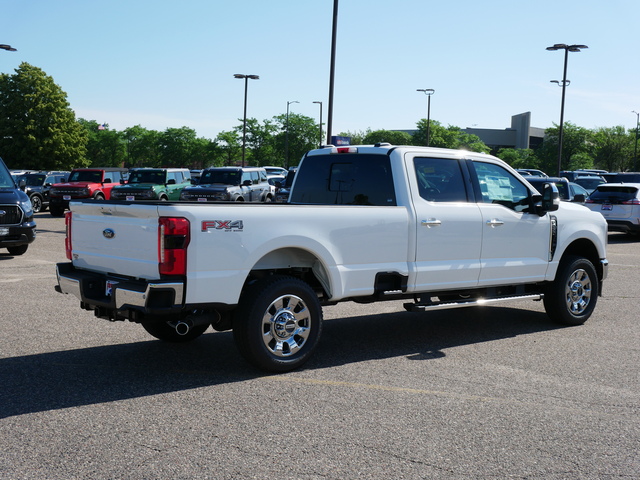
column 112, row 238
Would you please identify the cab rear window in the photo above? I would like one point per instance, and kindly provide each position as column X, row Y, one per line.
column 357, row 179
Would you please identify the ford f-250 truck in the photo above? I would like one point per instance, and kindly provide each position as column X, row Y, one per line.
column 439, row 228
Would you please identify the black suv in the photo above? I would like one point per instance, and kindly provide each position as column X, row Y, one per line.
column 38, row 185
column 17, row 227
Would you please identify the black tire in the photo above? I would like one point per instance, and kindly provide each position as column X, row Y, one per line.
column 56, row 211
column 36, row 203
column 571, row 298
column 19, row 250
column 278, row 323
column 164, row 331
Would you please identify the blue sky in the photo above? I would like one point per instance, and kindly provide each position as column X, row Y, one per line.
column 162, row 64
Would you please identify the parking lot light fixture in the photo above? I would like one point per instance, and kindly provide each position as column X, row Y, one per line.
column 428, row 92
column 563, row 84
column 244, row 121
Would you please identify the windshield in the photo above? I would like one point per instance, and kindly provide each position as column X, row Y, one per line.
column 224, row 177
column 86, row 176
column 34, row 180
column 155, row 176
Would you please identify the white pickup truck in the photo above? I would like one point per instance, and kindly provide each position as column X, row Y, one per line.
column 439, row 228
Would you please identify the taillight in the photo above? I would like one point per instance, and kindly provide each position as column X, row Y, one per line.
column 633, row 201
column 173, row 239
column 67, row 241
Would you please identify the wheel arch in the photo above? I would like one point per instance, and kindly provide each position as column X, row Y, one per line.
column 306, row 264
column 583, row 247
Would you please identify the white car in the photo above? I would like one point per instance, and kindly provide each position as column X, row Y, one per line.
column 619, row 203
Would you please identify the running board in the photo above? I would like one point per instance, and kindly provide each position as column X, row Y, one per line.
column 480, row 302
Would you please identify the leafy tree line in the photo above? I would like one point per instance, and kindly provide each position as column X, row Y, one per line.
column 38, row 130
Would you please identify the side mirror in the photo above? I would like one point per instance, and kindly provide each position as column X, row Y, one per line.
column 549, row 200
column 107, row 180
column 247, row 183
column 579, row 198
column 171, row 181
column 22, row 184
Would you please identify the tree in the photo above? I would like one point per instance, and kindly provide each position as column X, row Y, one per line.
column 105, row 148
column 391, row 136
column 142, row 147
column 38, row 129
column 613, row 148
column 260, row 142
column 230, row 147
column 449, row 137
column 519, row 157
column 357, row 138
column 302, row 137
column 576, row 149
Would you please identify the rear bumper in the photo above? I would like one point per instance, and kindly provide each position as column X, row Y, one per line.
column 622, row 226
column 119, row 299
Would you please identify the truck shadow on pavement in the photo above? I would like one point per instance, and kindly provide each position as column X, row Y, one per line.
column 86, row 376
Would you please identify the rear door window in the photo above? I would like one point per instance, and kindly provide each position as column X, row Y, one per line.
column 440, row 180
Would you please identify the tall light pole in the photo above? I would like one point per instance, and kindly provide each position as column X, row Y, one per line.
column 332, row 69
column 635, row 149
column 286, row 138
column 9, row 48
column 428, row 92
column 320, row 125
column 244, row 122
column 567, row 49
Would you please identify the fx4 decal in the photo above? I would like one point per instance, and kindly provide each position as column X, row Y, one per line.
column 226, row 225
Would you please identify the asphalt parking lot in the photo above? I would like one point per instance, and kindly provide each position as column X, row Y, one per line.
column 492, row 393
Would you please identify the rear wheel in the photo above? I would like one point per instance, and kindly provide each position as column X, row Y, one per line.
column 36, row 203
column 278, row 323
column 571, row 298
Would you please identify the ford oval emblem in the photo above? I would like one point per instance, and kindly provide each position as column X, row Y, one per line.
column 108, row 233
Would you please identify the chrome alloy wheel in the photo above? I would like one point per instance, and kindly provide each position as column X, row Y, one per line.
column 286, row 325
column 578, row 291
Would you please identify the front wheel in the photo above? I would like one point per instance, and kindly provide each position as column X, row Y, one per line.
column 278, row 323
column 56, row 211
column 571, row 298
column 20, row 250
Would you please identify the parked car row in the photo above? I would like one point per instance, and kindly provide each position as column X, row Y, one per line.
column 616, row 197
column 233, row 184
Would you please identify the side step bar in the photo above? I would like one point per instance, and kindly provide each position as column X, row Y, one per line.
column 478, row 302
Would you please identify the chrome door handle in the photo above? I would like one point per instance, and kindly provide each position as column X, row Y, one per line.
column 494, row 222
column 432, row 222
